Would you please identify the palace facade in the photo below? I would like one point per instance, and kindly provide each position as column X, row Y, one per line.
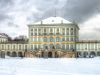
column 53, row 37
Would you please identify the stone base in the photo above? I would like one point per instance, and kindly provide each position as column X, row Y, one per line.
column 54, row 54
column 69, row 54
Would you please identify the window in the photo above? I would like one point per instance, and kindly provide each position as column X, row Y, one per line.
column 63, row 39
column 57, row 46
column 39, row 29
column 51, row 39
column 19, row 47
column 63, row 47
column 35, row 40
column 57, row 33
column 45, row 39
column 25, row 47
column 13, row 46
column 39, row 33
column 32, row 47
column 67, row 28
column 68, row 47
column 71, row 46
column 35, row 33
column 67, row 33
column 45, row 33
column 51, row 33
column 51, row 46
column 35, row 47
column 63, row 33
column 63, row 29
column 72, row 33
column 35, row 29
column 57, row 29
column 71, row 39
column 51, row 30
column 44, row 30
column 39, row 47
column 2, row 46
column 8, row 47
column 31, row 29
column 52, row 20
column 57, row 39
column 31, row 34
column 67, row 39
column 71, row 28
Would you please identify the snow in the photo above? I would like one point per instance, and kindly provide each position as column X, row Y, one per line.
column 58, row 66
column 53, row 20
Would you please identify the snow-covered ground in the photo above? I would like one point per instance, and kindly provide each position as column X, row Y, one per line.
column 61, row 66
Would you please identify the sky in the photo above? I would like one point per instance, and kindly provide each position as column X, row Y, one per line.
column 15, row 15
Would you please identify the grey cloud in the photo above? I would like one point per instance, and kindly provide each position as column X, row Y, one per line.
column 81, row 10
column 5, row 3
column 11, row 24
column 77, row 10
column 4, row 7
column 96, row 29
column 3, row 17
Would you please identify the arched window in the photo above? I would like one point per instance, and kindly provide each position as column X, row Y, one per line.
column 31, row 33
column 57, row 39
column 72, row 33
column 52, row 46
column 57, row 29
column 39, row 46
column 71, row 28
column 98, row 53
column 85, row 54
column 51, row 30
column 72, row 39
column 63, row 47
column 45, row 39
column 92, row 54
column 32, row 47
column 8, row 53
column 14, row 47
column 20, row 54
column 51, row 39
column 35, row 47
column 19, row 47
column 71, row 47
column 35, row 30
column 44, row 30
column 67, row 33
column 63, row 39
column 14, row 54
column 57, row 46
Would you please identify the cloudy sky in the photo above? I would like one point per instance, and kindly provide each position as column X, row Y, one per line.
column 16, row 14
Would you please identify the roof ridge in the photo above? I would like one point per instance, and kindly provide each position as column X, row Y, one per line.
column 53, row 20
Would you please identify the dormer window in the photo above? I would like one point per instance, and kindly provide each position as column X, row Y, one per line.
column 52, row 20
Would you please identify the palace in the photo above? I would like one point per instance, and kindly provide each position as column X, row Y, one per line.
column 53, row 37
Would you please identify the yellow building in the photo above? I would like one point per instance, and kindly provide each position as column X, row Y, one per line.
column 52, row 37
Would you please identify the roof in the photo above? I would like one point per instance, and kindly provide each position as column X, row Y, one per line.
column 14, row 42
column 53, row 20
column 88, row 41
column 3, row 35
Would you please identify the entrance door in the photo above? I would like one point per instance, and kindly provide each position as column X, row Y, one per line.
column 49, row 54
column 42, row 54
